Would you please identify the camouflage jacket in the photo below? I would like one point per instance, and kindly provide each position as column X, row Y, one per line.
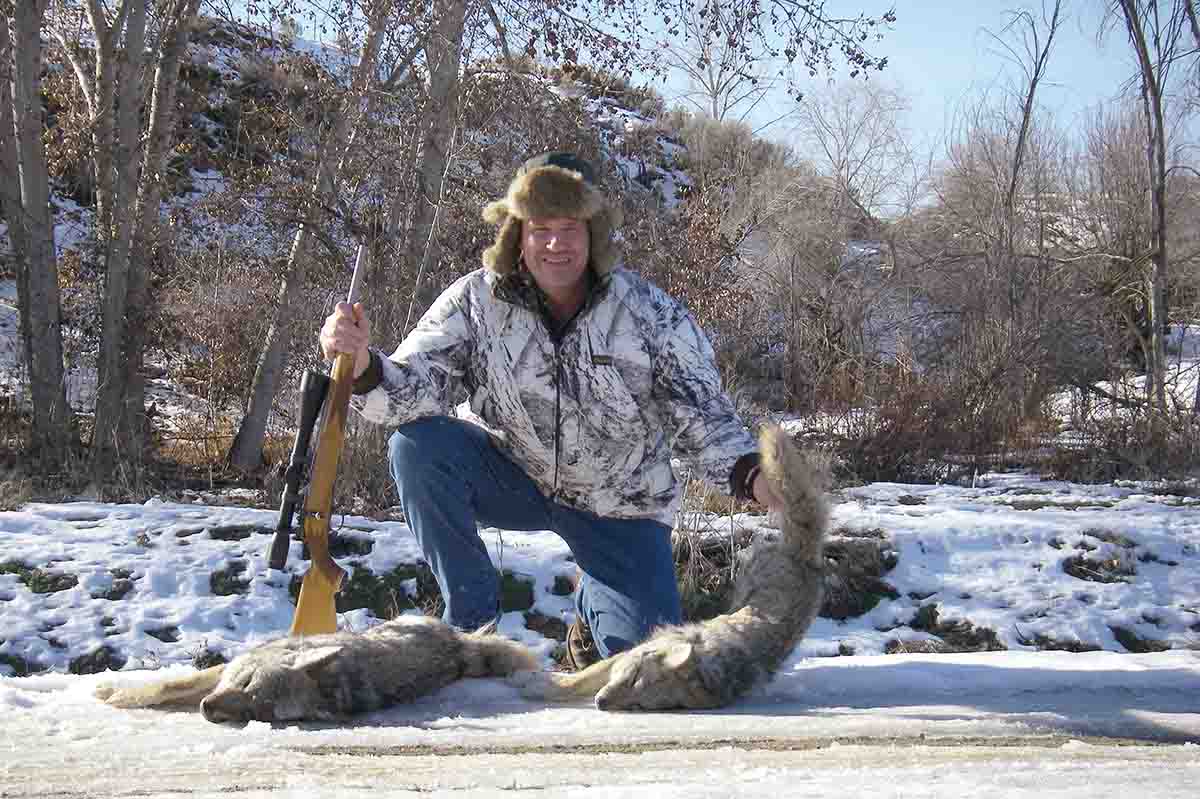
column 593, row 412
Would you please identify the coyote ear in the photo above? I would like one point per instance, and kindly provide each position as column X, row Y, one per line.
column 678, row 656
column 312, row 661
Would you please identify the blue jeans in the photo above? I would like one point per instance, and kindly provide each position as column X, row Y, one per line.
column 451, row 477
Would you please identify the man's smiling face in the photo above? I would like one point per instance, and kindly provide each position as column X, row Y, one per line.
column 556, row 253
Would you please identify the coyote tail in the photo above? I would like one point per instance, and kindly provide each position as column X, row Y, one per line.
column 185, row 691
column 801, row 479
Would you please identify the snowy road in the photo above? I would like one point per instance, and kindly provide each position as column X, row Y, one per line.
column 1015, row 771
column 1134, row 733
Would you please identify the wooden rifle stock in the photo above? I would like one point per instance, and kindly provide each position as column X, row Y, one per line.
column 316, row 608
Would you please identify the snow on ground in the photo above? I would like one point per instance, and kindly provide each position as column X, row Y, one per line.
column 1004, row 555
column 1021, row 722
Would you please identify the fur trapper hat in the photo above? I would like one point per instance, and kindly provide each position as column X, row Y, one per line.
column 555, row 184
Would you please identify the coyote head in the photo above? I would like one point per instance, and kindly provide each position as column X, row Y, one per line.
column 656, row 678
column 271, row 685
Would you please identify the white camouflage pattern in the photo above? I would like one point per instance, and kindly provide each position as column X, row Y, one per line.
column 637, row 385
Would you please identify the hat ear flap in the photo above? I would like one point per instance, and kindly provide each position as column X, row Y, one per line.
column 496, row 211
column 503, row 256
column 605, row 252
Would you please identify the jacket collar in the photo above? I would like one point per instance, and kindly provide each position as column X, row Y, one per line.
column 519, row 288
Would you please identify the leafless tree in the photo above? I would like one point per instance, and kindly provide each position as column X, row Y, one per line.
column 26, row 207
column 134, row 63
column 1155, row 31
column 825, row 245
column 780, row 36
column 985, row 246
column 854, row 133
column 443, row 57
column 722, row 82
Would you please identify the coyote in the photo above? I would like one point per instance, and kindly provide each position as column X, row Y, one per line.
column 710, row 664
column 329, row 677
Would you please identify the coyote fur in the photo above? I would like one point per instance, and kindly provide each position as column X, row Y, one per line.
column 776, row 597
column 329, row 677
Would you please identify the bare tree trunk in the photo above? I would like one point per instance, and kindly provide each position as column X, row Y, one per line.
column 443, row 53
column 10, row 192
column 130, row 149
column 1153, row 68
column 247, row 447
column 177, row 27
column 112, row 439
column 1157, row 279
column 501, row 34
column 52, row 422
column 100, row 91
column 1007, row 257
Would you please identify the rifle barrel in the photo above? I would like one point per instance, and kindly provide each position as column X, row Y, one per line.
column 314, row 386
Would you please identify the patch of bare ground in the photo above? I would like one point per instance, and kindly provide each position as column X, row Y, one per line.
column 952, row 636
column 856, row 562
column 1045, row 642
column 1134, row 642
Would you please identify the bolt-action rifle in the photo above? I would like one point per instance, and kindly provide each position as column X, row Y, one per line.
column 328, row 398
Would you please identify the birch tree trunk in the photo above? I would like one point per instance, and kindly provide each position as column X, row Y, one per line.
column 246, row 450
column 38, row 273
column 443, row 52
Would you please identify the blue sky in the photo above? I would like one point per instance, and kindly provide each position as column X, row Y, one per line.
column 940, row 53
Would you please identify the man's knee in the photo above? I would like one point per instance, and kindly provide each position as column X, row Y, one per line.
column 415, row 445
column 621, row 620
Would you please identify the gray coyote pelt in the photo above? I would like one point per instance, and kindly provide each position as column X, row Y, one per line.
column 329, row 677
column 776, row 597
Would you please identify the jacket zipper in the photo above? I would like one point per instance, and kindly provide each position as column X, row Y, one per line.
column 557, row 336
column 557, row 412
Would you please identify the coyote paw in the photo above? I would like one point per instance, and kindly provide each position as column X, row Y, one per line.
column 553, row 686
column 530, row 684
column 116, row 696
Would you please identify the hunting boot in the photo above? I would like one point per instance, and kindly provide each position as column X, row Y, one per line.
column 581, row 647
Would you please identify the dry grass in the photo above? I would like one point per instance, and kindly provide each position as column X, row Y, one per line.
column 196, row 441
column 15, row 492
column 1114, row 568
column 706, row 542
